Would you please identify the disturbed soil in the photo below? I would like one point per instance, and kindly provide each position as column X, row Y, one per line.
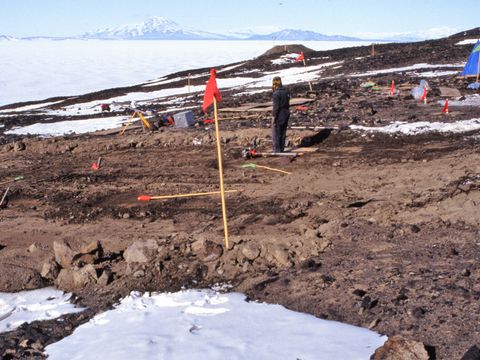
column 376, row 230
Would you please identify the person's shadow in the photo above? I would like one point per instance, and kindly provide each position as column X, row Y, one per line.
column 318, row 138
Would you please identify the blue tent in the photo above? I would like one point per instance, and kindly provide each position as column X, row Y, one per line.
column 472, row 66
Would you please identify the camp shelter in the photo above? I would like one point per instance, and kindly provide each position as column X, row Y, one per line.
column 473, row 63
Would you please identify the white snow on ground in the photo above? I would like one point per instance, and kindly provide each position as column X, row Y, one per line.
column 31, row 107
column 470, row 100
column 28, row 306
column 423, row 127
column 202, row 324
column 39, row 69
column 407, row 68
column 285, row 59
column 289, row 76
column 467, row 41
column 431, row 74
column 70, row 126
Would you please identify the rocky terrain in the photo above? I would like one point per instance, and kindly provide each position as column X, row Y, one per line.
column 372, row 229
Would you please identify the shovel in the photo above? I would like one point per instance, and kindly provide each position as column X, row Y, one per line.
column 254, row 166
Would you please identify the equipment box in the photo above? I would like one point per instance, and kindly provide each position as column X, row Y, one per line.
column 184, row 119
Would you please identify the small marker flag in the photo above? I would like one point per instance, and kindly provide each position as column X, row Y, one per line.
column 392, row 88
column 300, row 57
column 424, row 96
column 211, row 91
column 445, row 107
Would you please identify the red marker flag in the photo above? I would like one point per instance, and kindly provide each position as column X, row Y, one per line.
column 445, row 107
column 392, row 88
column 211, row 91
column 300, row 57
column 424, row 96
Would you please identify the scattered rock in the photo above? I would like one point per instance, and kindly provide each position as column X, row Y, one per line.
column 399, row 348
column 63, row 254
column 106, row 278
column 250, row 250
column 472, row 354
column 141, row 251
column 19, row 146
column 50, row 270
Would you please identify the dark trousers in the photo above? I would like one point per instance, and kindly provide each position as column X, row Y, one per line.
column 279, row 135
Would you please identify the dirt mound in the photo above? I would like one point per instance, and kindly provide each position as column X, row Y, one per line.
column 286, row 49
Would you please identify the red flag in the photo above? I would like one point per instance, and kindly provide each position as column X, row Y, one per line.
column 424, row 96
column 392, row 88
column 445, row 107
column 211, row 91
column 300, row 57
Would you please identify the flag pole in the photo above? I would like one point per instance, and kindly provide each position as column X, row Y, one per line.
column 309, row 82
column 220, row 171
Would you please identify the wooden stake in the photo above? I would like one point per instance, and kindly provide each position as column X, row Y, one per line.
column 253, row 166
column 189, row 83
column 161, row 197
column 309, row 82
column 4, row 196
column 128, row 123
column 273, row 169
column 220, row 171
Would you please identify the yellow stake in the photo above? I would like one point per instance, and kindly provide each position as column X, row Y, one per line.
column 189, row 195
column 220, row 171
column 128, row 123
column 273, row 169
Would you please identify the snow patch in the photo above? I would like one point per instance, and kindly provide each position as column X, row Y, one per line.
column 422, row 127
column 28, row 306
column 407, row 68
column 70, row 126
column 203, row 324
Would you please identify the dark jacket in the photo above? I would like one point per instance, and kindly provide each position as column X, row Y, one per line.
column 281, row 106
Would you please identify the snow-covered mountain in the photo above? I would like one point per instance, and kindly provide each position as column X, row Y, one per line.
column 291, row 34
column 159, row 28
column 154, row 28
column 6, row 38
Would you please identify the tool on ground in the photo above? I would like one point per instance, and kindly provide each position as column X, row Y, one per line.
column 4, row 197
column 249, row 153
column 96, row 166
column 16, row 178
column 145, row 123
column 254, row 166
column 293, row 154
column 148, row 197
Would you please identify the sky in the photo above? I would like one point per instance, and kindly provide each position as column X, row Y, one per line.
column 21, row 18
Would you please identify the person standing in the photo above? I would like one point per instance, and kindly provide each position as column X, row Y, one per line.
column 281, row 114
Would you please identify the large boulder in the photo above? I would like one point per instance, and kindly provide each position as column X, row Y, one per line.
column 399, row 348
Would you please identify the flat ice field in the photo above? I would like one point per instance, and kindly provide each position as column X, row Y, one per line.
column 39, row 69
